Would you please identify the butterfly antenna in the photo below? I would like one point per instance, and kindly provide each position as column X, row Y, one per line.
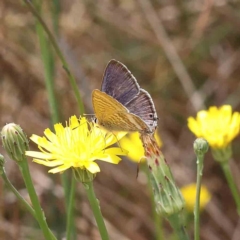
column 104, row 137
column 118, row 143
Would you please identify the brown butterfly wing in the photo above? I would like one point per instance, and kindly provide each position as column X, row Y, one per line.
column 143, row 106
column 119, row 83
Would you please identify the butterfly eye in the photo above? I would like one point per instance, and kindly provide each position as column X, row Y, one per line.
column 151, row 115
column 94, row 119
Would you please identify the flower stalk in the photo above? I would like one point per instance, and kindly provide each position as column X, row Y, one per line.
column 59, row 53
column 70, row 209
column 34, row 199
column 17, row 194
column 200, row 147
column 227, row 172
column 223, row 156
column 96, row 210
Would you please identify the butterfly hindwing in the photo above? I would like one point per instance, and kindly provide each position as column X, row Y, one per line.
column 122, row 121
column 143, row 106
column 119, row 83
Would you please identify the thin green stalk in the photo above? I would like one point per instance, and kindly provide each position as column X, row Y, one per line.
column 197, row 201
column 48, row 62
column 56, row 8
column 231, row 184
column 59, row 53
column 70, row 214
column 157, row 218
column 34, row 199
column 19, row 197
column 200, row 147
column 223, row 156
column 17, row 194
column 176, row 223
column 96, row 210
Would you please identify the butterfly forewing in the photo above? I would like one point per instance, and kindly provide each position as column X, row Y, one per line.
column 119, row 83
column 105, row 105
column 143, row 106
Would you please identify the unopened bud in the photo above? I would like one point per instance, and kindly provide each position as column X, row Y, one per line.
column 167, row 196
column 200, row 146
column 14, row 141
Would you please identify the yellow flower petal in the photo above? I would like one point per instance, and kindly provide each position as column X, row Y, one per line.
column 93, row 167
column 116, row 151
column 35, row 138
column 189, row 194
column 48, row 163
column 133, row 145
column 109, row 158
column 219, row 126
column 38, row 155
column 59, row 169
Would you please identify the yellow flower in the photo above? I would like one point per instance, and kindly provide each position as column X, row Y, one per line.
column 189, row 194
column 77, row 145
column 219, row 126
column 133, row 145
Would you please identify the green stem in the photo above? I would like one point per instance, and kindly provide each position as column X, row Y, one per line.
column 157, row 218
column 17, row 194
column 70, row 214
column 59, row 53
column 231, row 184
column 34, row 199
column 179, row 229
column 48, row 62
column 19, row 197
column 200, row 158
column 56, row 8
column 96, row 210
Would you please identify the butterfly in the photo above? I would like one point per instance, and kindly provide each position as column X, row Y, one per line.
column 122, row 105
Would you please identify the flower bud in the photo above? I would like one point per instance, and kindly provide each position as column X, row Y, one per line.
column 200, row 146
column 14, row 141
column 167, row 196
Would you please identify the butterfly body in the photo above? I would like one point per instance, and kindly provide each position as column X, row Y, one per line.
column 122, row 105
